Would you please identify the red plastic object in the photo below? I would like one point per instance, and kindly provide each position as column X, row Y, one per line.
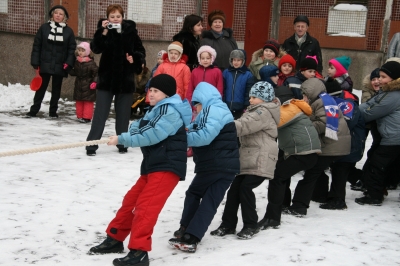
column 36, row 81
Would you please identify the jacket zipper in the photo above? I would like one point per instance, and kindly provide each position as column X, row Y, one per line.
column 233, row 89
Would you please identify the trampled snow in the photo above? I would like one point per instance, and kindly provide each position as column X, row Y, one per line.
column 55, row 205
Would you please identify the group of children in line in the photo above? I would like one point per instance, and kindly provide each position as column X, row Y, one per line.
column 245, row 128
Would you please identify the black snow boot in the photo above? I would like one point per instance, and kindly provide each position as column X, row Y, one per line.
column 298, row 212
column 222, row 231
column 334, row 204
column 109, row 245
column 266, row 223
column 180, row 232
column 367, row 199
column 187, row 243
column 247, row 233
column 134, row 257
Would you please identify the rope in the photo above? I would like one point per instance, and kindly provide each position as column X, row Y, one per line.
column 54, row 147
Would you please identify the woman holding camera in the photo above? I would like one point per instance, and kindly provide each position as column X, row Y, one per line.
column 122, row 52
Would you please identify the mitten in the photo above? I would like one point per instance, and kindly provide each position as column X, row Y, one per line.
column 93, row 85
column 65, row 66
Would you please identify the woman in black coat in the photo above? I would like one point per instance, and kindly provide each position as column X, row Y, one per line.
column 189, row 38
column 53, row 53
column 122, row 52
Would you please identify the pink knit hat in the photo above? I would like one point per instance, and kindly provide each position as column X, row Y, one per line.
column 341, row 64
column 86, row 46
column 208, row 49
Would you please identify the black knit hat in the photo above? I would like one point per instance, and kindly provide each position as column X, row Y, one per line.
column 164, row 83
column 374, row 74
column 308, row 63
column 392, row 69
column 283, row 93
column 332, row 85
column 59, row 7
column 273, row 45
column 301, row 18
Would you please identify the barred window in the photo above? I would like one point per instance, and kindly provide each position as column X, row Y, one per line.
column 143, row 11
column 347, row 19
column 354, row 2
column 4, row 6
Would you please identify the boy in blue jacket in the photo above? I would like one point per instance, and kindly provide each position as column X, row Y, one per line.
column 162, row 137
column 238, row 81
column 213, row 137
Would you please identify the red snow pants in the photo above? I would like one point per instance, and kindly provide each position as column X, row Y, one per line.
column 84, row 109
column 140, row 209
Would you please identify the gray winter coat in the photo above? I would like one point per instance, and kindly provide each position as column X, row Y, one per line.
column 312, row 88
column 296, row 133
column 257, row 131
column 394, row 46
column 385, row 109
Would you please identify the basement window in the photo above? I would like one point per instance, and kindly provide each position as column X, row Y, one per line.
column 347, row 19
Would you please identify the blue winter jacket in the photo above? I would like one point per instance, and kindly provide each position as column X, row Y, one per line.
column 213, row 134
column 161, row 135
column 237, row 85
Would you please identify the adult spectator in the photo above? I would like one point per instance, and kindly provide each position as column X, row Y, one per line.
column 394, row 46
column 188, row 36
column 219, row 38
column 53, row 52
column 302, row 44
column 122, row 53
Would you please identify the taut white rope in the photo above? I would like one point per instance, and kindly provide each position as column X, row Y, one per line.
column 54, row 147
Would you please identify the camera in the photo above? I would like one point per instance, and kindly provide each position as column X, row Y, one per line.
column 113, row 26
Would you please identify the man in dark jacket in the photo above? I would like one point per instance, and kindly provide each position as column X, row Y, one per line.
column 301, row 44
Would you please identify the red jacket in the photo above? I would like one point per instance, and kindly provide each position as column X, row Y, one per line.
column 179, row 70
column 211, row 74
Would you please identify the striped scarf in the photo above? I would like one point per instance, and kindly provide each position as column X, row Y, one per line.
column 56, row 32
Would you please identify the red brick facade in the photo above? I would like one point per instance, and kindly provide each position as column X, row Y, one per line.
column 26, row 16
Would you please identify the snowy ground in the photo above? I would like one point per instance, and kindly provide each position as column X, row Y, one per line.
column 55, row 205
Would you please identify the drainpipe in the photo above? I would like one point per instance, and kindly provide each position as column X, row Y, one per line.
column 199, row 7
column 276, row 15
column 82, row 19
column 386, row 28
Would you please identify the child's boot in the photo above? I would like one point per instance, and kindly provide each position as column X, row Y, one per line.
column 134, row 257
column 186, row 243
column 109, row 245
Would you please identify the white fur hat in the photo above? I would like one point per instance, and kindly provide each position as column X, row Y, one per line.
column 208, row 49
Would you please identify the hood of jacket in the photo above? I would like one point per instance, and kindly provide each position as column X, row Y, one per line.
column 394, row 85
column 272, row 107
column 207, row 95
column 183, row 59
column 243, row 68
column 183, row 107
column 312, row 88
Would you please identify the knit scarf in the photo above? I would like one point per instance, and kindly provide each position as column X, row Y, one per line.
column 301, row 39
column 83, row 59
column 332, row 116
column 56, row 32
column 346, row 107
column 342, row 78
